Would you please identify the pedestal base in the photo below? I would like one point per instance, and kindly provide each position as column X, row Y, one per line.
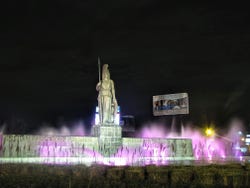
column 109, row 138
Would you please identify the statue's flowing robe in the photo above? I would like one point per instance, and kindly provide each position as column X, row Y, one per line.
column 105, row 101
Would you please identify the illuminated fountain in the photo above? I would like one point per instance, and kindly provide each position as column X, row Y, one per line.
column 154, row 146
column 106, row 144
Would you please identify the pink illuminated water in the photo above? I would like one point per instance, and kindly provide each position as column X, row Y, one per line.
column 204, row 147
column 151, row 151
column 77, row 129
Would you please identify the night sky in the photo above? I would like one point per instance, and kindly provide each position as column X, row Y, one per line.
column 49, row 50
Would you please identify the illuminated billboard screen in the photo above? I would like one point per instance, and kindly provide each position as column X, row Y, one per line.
column 170, row 104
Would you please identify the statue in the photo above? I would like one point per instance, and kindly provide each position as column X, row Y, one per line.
column 106, row 99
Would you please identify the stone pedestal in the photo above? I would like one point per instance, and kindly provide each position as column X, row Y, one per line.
column 109, row 138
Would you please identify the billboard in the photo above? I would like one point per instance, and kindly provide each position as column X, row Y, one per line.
column 171, row 104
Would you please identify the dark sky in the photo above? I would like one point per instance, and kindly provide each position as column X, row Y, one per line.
column 49, row 50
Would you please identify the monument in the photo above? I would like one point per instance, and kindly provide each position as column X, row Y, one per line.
column 108, row 132
column 105, row 145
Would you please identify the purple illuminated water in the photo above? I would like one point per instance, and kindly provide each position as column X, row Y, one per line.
column 217, row 146
column 57, row 144
column 203, row 146
column 76, row 129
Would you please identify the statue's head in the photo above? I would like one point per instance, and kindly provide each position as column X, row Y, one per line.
column 105, row 72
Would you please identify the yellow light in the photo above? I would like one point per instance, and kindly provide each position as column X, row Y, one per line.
column 209, row 132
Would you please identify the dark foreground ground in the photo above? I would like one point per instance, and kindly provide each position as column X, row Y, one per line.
column 34, row 175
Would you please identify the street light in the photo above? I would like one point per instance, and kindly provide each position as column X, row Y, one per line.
column 209, row 132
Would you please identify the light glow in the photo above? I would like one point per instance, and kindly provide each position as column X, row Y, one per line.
column 117, row 117
column 209, row 132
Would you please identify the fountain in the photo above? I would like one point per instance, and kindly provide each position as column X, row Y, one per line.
column 106, row 144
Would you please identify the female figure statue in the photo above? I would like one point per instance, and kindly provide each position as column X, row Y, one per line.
column 106, row 99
